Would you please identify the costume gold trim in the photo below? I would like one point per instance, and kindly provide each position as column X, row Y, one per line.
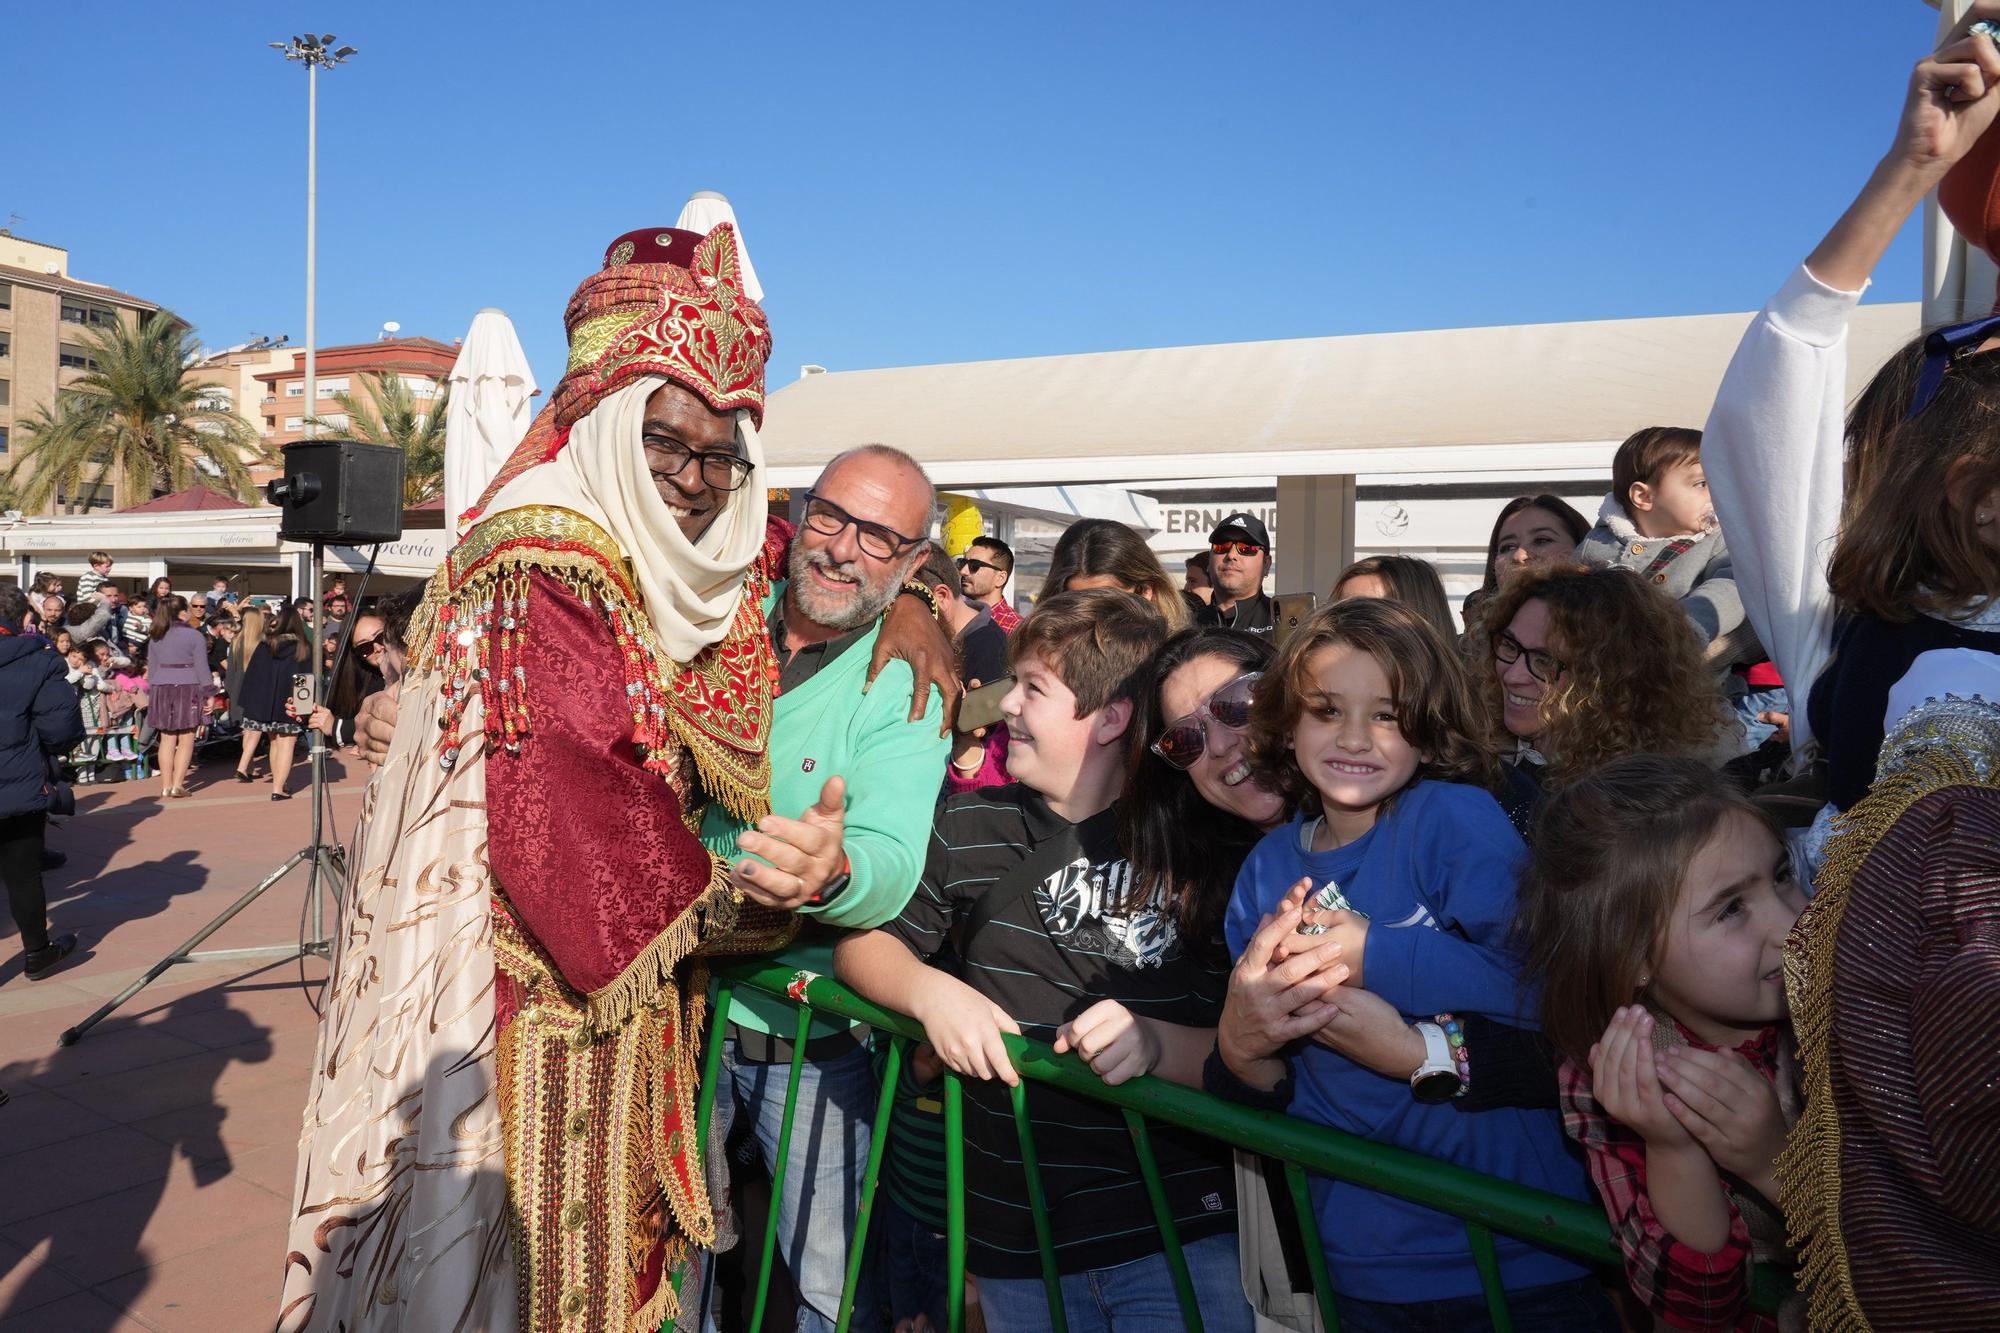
column 472, row 626
column 1809, row 1169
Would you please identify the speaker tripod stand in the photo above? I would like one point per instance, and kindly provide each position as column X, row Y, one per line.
column 326, row 866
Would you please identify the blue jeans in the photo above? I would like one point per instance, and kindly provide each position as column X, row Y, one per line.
column 1747, row 706
column 1137, row 1297
column 913, row 1262
column 1579, row 1306
column 822, row 1176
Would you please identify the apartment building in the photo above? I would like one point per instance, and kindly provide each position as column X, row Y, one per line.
column 45, row 317
column 281, row 410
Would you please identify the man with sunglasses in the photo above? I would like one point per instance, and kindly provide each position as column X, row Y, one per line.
column 1239, row 558
column 983, row 572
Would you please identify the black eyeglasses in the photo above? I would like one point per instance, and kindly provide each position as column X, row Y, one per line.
column 721, row 469
column 1543, row 666
column 830, row 520
column 967, row 562
column 1944, row 349
column 1186, row 739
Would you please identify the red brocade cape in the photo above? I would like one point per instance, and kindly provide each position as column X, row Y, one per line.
column 519, row 989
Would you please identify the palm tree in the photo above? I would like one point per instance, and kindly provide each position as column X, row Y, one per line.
column 135, row 414
column 395, row 415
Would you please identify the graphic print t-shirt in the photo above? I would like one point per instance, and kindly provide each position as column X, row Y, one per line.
column 1048, row 942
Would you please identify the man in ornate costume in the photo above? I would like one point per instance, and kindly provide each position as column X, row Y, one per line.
column 500, row 1131
column 1890, row 1181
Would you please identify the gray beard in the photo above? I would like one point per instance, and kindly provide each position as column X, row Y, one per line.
column 863, row 608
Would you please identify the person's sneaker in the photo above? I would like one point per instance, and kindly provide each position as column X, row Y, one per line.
column 44, row 961
column 53, row 859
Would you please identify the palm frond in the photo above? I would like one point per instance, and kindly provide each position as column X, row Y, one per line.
column 394, row 415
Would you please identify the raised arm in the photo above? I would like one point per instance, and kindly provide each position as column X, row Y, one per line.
column 1774, row 445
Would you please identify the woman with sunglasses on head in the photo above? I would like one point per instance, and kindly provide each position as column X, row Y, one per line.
column 1907, row 487
column 1553, row 655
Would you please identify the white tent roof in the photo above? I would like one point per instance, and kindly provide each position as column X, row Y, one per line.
column 1502, row 399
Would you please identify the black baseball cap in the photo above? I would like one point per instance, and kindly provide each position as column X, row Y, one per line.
column 1248, row 524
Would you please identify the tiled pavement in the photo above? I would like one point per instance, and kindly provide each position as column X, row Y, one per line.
column 145, row 1171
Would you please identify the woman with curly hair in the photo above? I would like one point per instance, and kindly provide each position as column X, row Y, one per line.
column 1582, row 666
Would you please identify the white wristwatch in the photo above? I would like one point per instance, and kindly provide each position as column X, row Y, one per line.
column 1436, row 1080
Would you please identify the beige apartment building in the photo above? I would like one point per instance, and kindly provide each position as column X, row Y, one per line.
column 233, row 372
column 44, row 317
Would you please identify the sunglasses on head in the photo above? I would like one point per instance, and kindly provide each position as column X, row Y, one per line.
column 967, row 562
column 1186, row 739
column 1240, row 548
column 1944, row 349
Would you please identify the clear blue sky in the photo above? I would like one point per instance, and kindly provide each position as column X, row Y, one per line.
column 949, row 182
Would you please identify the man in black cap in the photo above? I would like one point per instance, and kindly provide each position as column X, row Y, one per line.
column 1239, row 557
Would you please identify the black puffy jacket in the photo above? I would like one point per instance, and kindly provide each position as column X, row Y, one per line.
column 38, row 716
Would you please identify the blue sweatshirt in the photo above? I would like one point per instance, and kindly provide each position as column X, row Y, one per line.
column 1436, row 877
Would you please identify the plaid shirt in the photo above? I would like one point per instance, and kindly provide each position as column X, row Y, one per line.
column 1005, row 616
column 1683, row 1286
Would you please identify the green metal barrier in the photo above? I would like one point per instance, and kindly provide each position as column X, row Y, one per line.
column 1484, row 1203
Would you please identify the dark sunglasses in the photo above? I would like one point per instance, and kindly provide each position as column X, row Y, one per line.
column 1186, row 739
column 367, row 647
column 1240, row 548
column 1543, row 666
column 967, row 562
column 1944, row 349
column 830, row 520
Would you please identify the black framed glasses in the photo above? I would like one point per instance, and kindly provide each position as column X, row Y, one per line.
column 1943, row 349
column 367, row 647
column 1186, row 739
column 967, row 563
column 1543, row 666
column 721, row 470
column 830, row 520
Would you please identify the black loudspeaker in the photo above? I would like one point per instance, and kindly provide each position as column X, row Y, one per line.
column 340, row 491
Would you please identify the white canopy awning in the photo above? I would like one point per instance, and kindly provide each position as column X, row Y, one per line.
column 1493, row 399
column 1066, row 504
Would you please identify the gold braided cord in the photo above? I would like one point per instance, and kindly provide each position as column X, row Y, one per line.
column 583, row 557
column 1809, row 1168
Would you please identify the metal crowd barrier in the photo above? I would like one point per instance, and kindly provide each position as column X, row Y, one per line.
column 1484, row 1203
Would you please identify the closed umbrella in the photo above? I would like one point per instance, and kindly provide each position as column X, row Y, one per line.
column 492, row 401
column 703, row 212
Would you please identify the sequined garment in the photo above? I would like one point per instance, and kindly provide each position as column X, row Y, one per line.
column 1890, row 1182
column 498, row 1135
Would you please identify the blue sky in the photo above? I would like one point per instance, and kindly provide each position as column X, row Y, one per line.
column 955, row 182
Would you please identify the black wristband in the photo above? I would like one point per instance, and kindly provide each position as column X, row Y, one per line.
column 1219, row 1080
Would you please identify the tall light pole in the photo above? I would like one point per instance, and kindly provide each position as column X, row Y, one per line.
column 314, row 52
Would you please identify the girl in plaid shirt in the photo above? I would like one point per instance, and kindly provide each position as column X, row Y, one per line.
column 1655, row 915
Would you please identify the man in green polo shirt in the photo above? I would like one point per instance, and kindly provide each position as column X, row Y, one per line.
column 854, row 857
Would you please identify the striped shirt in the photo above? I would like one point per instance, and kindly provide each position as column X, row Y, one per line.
column 1050, row 943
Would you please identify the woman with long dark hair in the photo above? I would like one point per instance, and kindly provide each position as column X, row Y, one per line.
column 1103, row 553
column 178, row 685
column 1537, row 529
column 281, row 657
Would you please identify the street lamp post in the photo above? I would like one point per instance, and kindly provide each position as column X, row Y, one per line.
column 313, row 52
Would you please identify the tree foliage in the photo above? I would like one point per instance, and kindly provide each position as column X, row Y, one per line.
column 394, row 415
column 135, row 414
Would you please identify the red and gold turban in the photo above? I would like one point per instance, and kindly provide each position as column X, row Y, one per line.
column 667, row 303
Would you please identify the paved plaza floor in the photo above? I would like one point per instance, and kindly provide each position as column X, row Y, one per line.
column 145, row 1171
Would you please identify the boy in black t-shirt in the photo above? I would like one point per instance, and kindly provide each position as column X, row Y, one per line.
column 1032, row 877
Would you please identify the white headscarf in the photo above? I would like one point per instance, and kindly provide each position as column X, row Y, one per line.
column 690, row 589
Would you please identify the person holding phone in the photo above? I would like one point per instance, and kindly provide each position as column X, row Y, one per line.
column 277, row 662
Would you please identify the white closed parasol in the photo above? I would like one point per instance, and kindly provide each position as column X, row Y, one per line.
column 492, row 402
column 703, row 212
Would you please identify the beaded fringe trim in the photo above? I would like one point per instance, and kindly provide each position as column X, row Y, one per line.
column 1809, row 1182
